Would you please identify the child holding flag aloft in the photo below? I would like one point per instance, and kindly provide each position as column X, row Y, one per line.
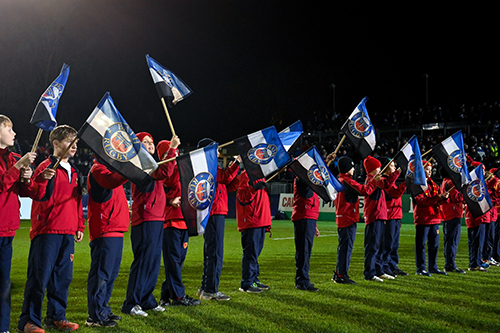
column 427, row 217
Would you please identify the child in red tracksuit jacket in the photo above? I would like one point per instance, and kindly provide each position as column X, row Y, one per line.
column 495, row 255
column 427, row 216
column 493, row 186
column 175, row 234
column 346, row 217
column 392, row 226
column 13, row 168
column 375, row 215
column 253, row 214
column 452, row 213
column 56, row 223
column 108, row 219
column 213, row 248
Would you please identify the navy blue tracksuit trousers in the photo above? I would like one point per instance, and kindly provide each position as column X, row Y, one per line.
column 106, row 256
column 146, row 245
column 451, row 235
column 347, row 236
column 390, row 247
column 5, row 266
column 476, row 243
column 428, row 233
column 252, row 241
column 374, row 235
column 213, row 253
column 304, row 231
column 50, row 267
column 175, row 246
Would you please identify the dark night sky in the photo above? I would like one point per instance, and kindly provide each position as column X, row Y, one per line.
column 246, row 61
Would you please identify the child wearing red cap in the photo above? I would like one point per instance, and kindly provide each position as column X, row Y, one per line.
column 496, row 237
column 493, row 185
column 427, row 216
column 375, row 214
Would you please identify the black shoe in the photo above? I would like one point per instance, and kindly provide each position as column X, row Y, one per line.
column 114, row 317
column 398, row 272
column 103, row 323
column 423, row 273
column 342, row 279
column 186, row 301
column 164, row 302
column 310, row 287
column 438, row 272
column 262, row 286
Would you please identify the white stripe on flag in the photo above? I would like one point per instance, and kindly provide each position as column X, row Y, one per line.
column 307, row 162
column 199, row 164
column 156, row 78
column 255, row 139
column 450, row 145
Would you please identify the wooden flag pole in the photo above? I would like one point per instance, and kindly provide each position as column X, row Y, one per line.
column 226, row 144
column 427, row 152
column 166, row 161
column 335, row 152
column 37, row 139
column 168, row 116
column 65, row 152
column 277, row 173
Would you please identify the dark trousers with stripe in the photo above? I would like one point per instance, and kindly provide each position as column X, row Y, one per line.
column 489, row 239
column 175, row 245
column 50, row 267
column 5, row 266
column 304, row 231
column 146, row 241
column 476, row 243
column 213, row 253
column 390, row 255
column 346, row 235
column 428, row 233
column 374, row 235
column 252, row 241
column 106, row 256
column 451, row 235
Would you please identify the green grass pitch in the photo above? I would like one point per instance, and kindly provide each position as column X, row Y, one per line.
column 454, row 303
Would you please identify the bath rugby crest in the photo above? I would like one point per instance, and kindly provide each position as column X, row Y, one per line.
column 118, row 143
column 318, row 175
column 263, row 153
column 455, row 161
column 410, row 172
column 359, row 125
column 475, row 190
column 201, row 190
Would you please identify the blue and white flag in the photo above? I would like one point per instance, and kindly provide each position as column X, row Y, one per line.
column 409, row 159
column 198, row 175
column 451, row 156
column 359, row 130
column 107, row 133
column 312, row 170
column 44, row 116
column 262, row 153
column 167, row 84
column 289, row 135
column 476, row 194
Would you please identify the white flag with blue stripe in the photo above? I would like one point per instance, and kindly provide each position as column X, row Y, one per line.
column 289, row 135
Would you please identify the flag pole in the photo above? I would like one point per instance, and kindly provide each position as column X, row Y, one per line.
column 334, row 154
column 277, row 173
column 427, row 152
column 168, row 116
column 37, row 139
column 166, row 161
column 65, row 152
column 226, row 144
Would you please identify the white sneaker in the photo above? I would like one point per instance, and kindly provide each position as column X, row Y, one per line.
column 158, row 308
column 376, row 278
column 386, row 276
column 137, row 311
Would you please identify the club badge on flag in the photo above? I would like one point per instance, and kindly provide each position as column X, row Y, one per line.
column 409, row 159
column 312, row 170
column 168, row 85
column 198, row 174
column 289, row 135
column 110, row 137
column 476, row 194
column 451, row 156
column 359, row 129
column 262, row 153
column 44, row 116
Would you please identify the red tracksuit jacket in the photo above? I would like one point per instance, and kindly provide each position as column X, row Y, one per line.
column 224, row 177
column 427, row 205
column 452, row 207
column 493, row 185
column 393, row 200
column 253, row 208
column 375, row 205
column 10, row 188
column 347, row 201
column 305, row 202
column 108, row 214
column 57, row 203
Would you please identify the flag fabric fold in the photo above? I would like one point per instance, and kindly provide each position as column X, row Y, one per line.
column 409, row 159
column 107, row 133
column 289, row 135
column 312, row 170
column 168, row 85
column 476, row 194
column 44, row 116
column 451, row 156
column 359, row 130
column 262, row 153
column 198, row 174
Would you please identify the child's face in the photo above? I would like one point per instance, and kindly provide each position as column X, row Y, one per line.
column 148, row 143
column 61, row 146
column 7, row 136
column 428, row 171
